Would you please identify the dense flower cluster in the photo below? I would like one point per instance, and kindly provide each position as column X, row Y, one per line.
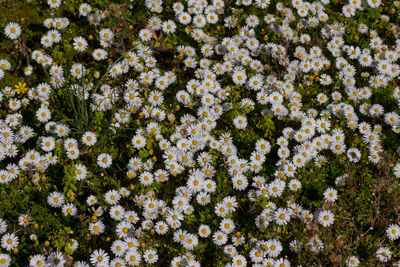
column 193, row 123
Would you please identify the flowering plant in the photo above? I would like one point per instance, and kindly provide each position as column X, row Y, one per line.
column 199, row 133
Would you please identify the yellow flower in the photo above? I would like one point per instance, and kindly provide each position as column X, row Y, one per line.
column 21, row 88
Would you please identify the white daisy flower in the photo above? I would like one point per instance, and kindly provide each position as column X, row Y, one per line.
column 240, row 182
column 89, row 138
column 145, row 35
column 352, row 261
column 117, row 212
column 239, row 76
column 325, row 218
column 220, row 238
column 119, row 247
column 55, row 199
column 4, row 177
column 54, row 35
column 393, row 231
column 12, row 30
column 227, row 225
column 37, row 261
column 132, row 257
column 99, row 258
column 374, row 3
column 85, row 9
column 47, row 143
column 96, row 228
column 239, row 261
column 168, row 26
column 73, row 153
column 383, row 254
column 91, row 200
column 3, row 226
column 112, row 197
column 330, row 195
column 240, row 122
column 43, row 114
column 161, row 227
column 139, row 141
column 104, row 160
column 146, row 178
column 5, row 260
column 82, row 264
column 117, row 262
column 274, row 247
column 184, row 18
column 396, row 170
column 46, row 41
column 70, row 143
column 150, row 256
column 72, row 244
column 155, row 23
column 124, row 229
column 354, row 155
column 54, row 3
column 78, row 70
column 282, row 216
column 69, row 209
column 9, row 241
column 80, row 44
column 56, row 259
column 80, row 172
column 106, row 34
column 99, row 54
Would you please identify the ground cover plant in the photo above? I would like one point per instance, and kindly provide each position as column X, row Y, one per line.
column 199, row 133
